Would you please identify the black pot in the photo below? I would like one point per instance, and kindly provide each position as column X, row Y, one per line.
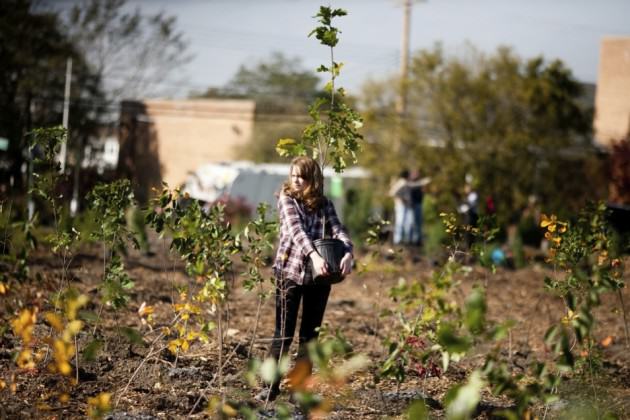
column 332, row 251
column 619, row 217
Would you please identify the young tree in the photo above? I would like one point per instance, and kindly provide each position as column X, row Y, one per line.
column 33, row 55
column 516, row 125
column 131, row 52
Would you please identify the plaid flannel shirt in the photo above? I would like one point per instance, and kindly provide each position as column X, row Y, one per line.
column 298, row 229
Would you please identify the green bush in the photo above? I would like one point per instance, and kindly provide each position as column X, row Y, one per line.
column 357, row 211
column 432, row 226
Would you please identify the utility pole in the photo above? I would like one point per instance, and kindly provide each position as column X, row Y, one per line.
column 404, row 58
column 401, row 103
column 66, row 115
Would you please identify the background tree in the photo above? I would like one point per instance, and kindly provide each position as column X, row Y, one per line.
column 517, row 126
column 619, row 188
column 282, row 89
column 33, row 55
column 132, row 53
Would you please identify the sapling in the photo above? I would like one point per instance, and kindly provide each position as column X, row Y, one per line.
column 109, row 203
column 44, row 145
column 580, row 250
column 205, row 242
column 258, row 238
column 333, row 136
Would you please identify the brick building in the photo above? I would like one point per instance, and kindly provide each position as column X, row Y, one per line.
column 163, row 140
column 612, row 100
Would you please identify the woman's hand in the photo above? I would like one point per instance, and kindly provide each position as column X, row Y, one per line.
column 346, row 264
column 319, row 264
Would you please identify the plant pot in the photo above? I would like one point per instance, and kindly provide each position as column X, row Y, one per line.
column 332, row 251
column 619, row 217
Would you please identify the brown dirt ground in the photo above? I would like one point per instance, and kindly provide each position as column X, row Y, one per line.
column 163, row 387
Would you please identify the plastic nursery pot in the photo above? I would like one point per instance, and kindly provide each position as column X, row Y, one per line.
column 332, row 251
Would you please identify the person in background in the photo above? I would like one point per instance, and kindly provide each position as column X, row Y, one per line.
column 416, row 195
column 301, row 205
column 403, row 218
column 470, row 209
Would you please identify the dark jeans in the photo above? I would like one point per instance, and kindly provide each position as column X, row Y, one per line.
column 288, row 297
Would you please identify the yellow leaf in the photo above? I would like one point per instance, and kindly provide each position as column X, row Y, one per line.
column 100, row 405
column 72, row 329
column 23, row 325
column 547, row 221
column 3, row 288
column 25, row 359
column 63, row 350
column 64, row 367
column 229, row 411
column 145, row 309
column 73, row 306
column 173, row 345
column 607, row 341
column 64, row 398
column 54, row 320
column 185, row 345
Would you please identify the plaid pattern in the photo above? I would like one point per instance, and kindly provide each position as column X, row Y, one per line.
column 298, row 229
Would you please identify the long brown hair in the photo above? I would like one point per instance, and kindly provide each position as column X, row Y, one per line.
column 313, row 195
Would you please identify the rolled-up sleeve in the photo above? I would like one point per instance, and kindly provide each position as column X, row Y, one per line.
column 290, row 218
column 337, row 228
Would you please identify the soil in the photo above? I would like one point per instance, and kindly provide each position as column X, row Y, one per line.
column 165, row 386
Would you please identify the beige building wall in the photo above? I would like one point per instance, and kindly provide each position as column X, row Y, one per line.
column 162, row 140
column 193, row 132
column 612, row 100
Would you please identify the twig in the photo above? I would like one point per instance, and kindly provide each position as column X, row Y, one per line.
column 76, row 359
column 625, row 319
column 258, row 309
column 146, row 358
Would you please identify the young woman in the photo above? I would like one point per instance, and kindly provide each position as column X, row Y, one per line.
column 301, row 205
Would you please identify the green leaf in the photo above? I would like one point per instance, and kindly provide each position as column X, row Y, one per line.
column 500, row 331
column 551, row 334
column 91, row 350
column 475, row 311
column 461, row 400
column 132, row 335
column 453, row 343
column 88, row 316
column 418, row 411
column 289, row 147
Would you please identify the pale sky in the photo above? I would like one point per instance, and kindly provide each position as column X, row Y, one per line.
column 226, row 33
